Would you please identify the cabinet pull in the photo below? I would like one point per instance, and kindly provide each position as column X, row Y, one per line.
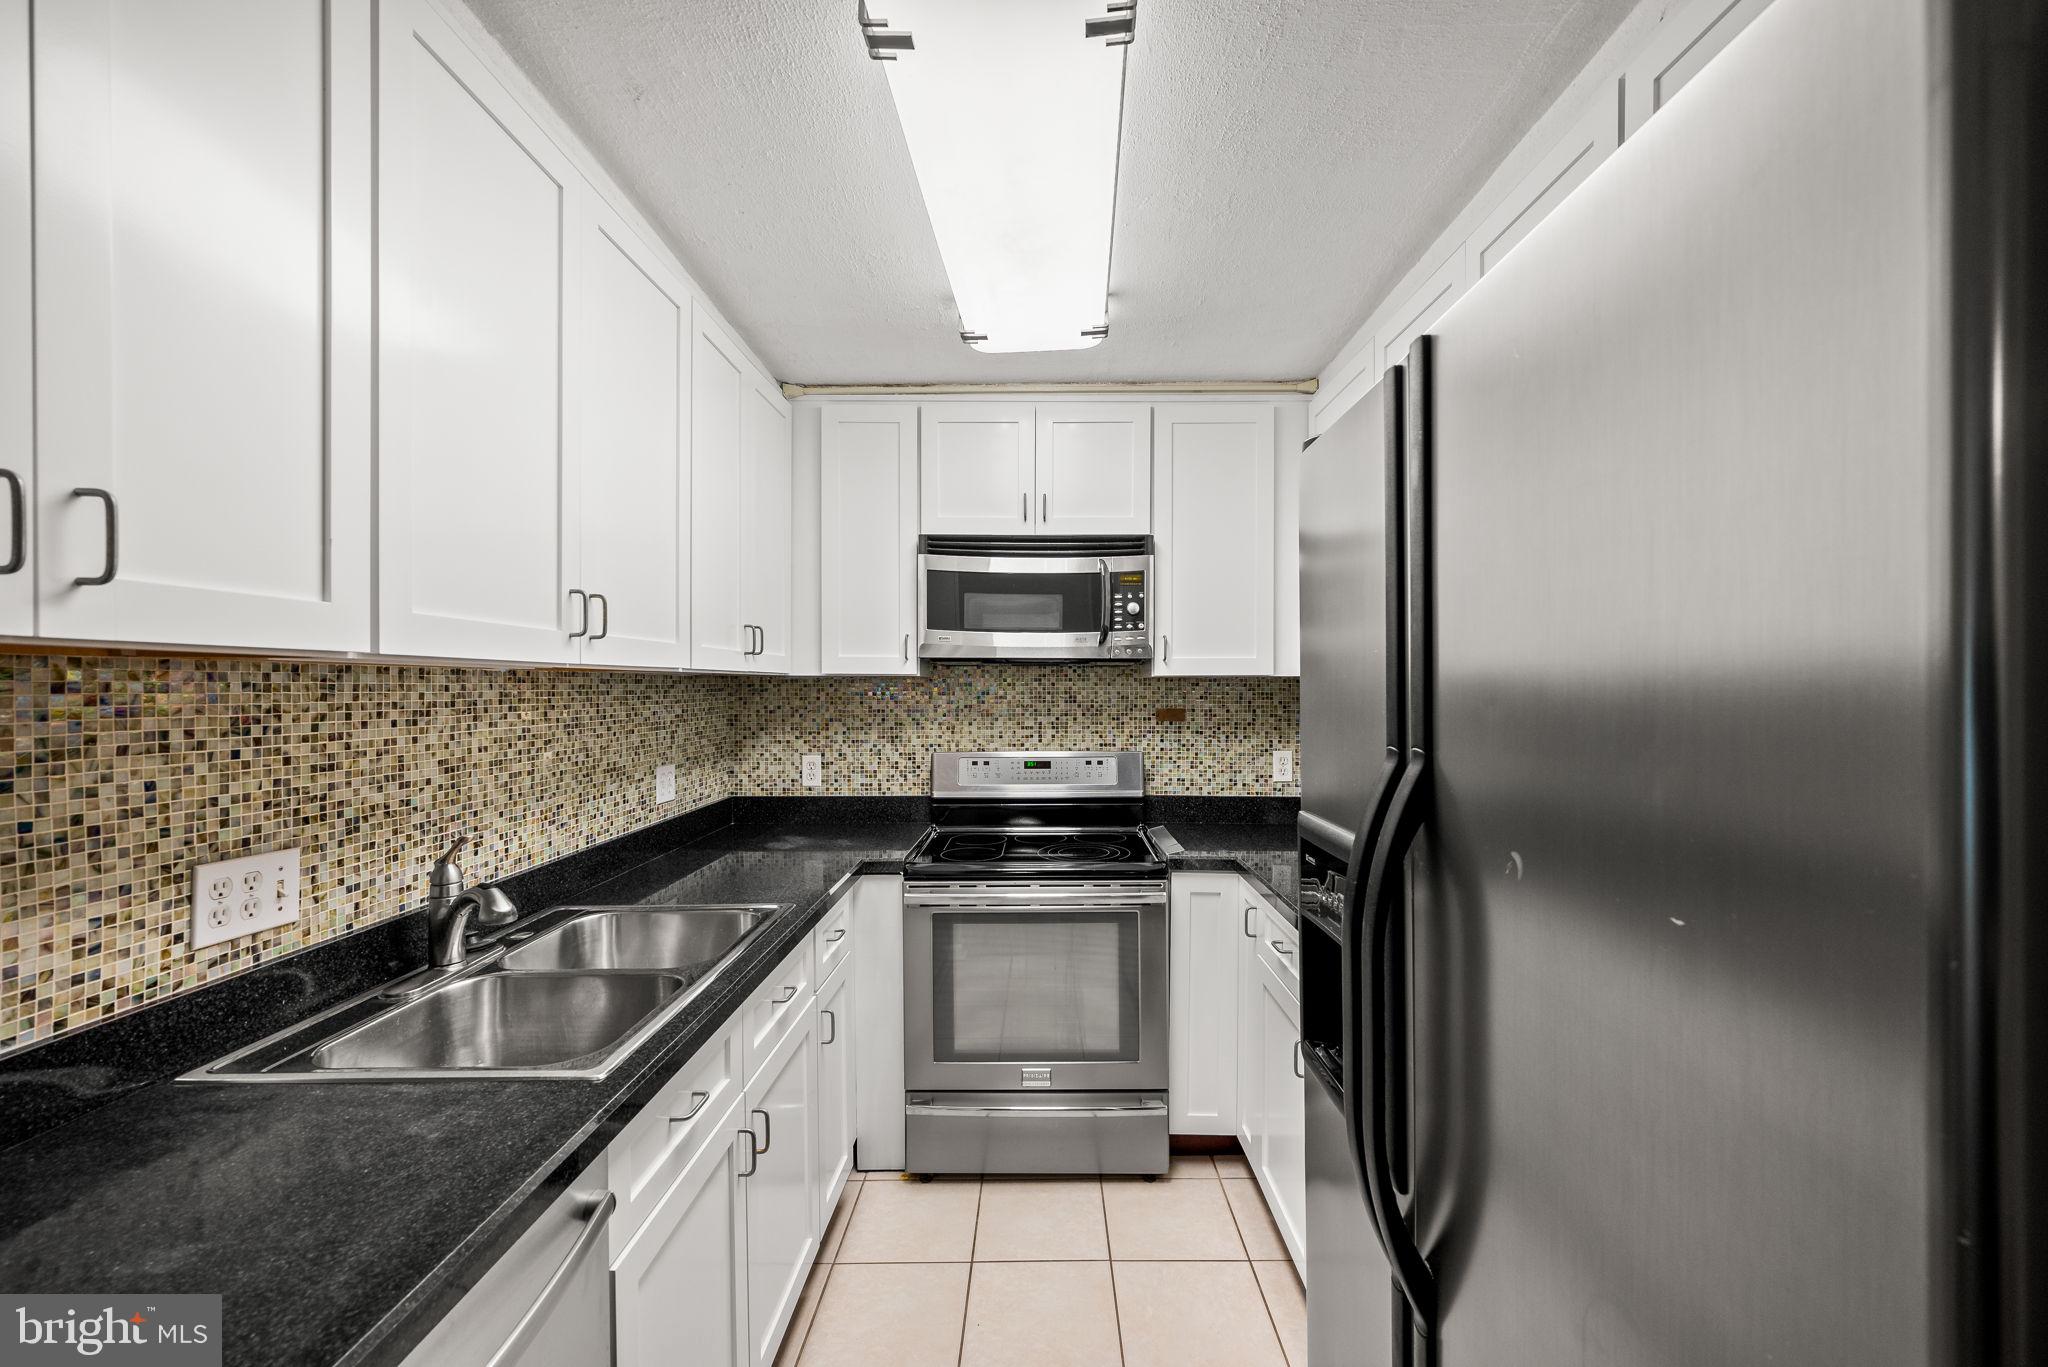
column 583, row 603
column 834, row 1020
column 767, row 1128
column 1280, row 947
column 753, row 1153
column 788, row 995
column 1027, row 507
column 1045, row 507
column 1249, row 933
column 697, row 1100
column 17, row 523
column 1166, row 650
column 906, row 647
column 105, row 576
column 836, row 936
column 1298, row 1071
column 606, row 604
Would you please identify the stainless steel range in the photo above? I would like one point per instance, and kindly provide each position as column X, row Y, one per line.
column 1035, row 969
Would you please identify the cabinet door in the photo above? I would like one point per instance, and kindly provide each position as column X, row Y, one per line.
column 1251, row 1091
column 1202, row 981
column 633, row 452
column 766, row 489
column 837, row 1031
column 1213, row 474
column 477, row 516
column 683, row 1278
column 1094, row 469
column 717, row 402
column 202, row 224
column 17, row 336
column 878, row 960
column 1282, row 1159
column 782, row 1195
column 978, row 469
column 867, row 457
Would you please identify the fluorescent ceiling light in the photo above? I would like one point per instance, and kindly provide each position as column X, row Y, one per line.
column 1012, row 110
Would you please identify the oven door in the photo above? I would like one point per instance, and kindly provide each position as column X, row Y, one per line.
column 1057, row 987
column 1034, row 607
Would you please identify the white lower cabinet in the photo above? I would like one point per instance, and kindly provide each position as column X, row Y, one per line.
column 782, row 1192
column 1279, row 1159
column 838, row 1029
column 1203, row 971
column 681, row 1279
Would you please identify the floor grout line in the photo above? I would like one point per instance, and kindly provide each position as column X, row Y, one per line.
column 1116, row 1311
column 967, row 1296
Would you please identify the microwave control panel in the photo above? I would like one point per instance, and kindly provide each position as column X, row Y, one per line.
column 1127, row 601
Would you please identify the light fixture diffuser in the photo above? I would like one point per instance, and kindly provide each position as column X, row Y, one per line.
column 1012, row 110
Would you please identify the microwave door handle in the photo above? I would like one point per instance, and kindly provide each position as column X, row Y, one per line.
column 1104, row 564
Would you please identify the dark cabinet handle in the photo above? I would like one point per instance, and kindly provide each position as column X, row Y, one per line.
column 767, row 1129
column 753, row 1153
column 834, row 1020
column 1249, row 933
column 606, row 604
column 697, row 1100
column 583, row 603
column 113, row 566
column 1298, row 1069
column 17, row 524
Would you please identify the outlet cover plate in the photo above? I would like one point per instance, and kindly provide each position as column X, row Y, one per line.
column 1283, row 766
column 238, row 897
column 814, row 771
column 664, row 783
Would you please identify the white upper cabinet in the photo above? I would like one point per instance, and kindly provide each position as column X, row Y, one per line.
column 867, row 459
column 1689, row 36
column 17, row 335
column 1213, row 521
column 478, row 523
column 767, row 490
column 202, row 307
column 1050, row 470
column 979, row 469
column 718, row 387
column 1094, row 469
column 633, row 589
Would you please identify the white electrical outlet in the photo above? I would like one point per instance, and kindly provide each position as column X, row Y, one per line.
column 664, row 783
column 814, row 771
column 238, row 897
column 1283, row 766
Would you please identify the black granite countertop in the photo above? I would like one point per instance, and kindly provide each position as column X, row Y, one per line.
column 1265, row 853
column 340, row 1221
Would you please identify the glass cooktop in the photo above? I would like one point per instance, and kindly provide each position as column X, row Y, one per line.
column 988, row 849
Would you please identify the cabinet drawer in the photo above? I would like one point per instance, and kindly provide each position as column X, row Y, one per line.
column 659, row 1142
column 782, row 999
column 1278, row 943
column 833, row 937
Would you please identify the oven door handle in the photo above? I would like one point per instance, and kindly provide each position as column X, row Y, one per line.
column 1141, row 1108
column 1026, row 898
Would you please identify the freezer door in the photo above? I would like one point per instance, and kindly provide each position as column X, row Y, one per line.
column 1345, row 581
column 1687, row 863
column 1350, row 1294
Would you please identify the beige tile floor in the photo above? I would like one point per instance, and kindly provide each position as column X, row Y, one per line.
column 1188, row 1271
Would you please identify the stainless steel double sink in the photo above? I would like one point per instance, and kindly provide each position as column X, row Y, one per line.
column 570, row 1001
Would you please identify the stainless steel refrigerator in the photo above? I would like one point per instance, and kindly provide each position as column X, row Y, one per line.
column 1673, row 834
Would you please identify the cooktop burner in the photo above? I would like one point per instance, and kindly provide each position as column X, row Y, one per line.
column 998, row 850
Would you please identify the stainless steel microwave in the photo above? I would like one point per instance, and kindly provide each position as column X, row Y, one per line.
column 1035, row 598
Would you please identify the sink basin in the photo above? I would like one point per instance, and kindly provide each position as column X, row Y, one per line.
column 502, row 1021
column 627, row 938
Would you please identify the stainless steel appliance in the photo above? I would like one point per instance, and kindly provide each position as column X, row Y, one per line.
column 1673, row 975
column 1035, row 598
column 1035, row 969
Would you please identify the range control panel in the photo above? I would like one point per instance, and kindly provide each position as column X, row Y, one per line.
column 1127, row 601
column 1032, row 773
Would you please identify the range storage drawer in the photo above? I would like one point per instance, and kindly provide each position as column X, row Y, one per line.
column 1036, row 1132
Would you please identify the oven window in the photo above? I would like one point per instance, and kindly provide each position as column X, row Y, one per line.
column 1035, row 987
column 983, row 600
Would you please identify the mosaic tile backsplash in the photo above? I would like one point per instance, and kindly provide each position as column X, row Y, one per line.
column 125, row 771
column 876, row 735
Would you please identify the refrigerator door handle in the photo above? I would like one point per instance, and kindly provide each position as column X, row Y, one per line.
column 1358, row 995
column 1368, row 1122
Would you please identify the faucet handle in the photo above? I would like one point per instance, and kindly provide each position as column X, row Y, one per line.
column 446, row 878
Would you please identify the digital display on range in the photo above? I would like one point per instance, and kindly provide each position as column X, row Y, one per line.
column 1038, row 764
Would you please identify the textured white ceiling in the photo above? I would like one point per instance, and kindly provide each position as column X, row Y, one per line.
column 1283, row 163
